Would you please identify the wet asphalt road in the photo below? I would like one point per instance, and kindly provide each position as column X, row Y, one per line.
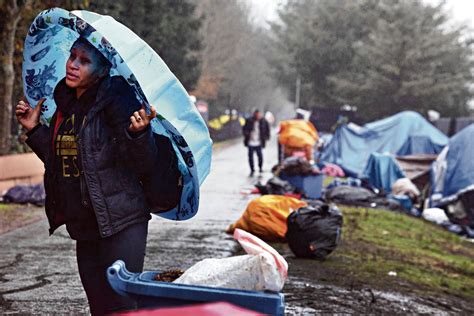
column 38, row 274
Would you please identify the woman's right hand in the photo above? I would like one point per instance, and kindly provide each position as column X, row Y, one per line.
column 26, row 115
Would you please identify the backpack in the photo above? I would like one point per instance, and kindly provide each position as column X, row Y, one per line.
column 314, row 231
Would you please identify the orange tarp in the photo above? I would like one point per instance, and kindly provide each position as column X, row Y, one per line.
column 266, row 216
column 298, row 133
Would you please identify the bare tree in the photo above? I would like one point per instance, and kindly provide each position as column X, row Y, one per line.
column 235, row 71
column 11, row 11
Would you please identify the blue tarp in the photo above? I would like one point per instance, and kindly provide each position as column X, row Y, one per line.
column 382, row 171
column 453, row 172
column 419, row 145
column 350, row 147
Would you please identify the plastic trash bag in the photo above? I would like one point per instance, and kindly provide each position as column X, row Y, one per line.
column 314, row 231
column 262, row 269
column 404, row 186
column 435, row 215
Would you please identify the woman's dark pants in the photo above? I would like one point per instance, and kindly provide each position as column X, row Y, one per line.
column 94, row 257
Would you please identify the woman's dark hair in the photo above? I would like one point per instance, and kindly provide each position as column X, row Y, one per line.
column 104, row 63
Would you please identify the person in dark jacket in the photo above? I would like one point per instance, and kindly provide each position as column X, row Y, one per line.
column 98, row 151
column 256, row 132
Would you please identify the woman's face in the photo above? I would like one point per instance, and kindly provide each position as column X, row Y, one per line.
column 82, row 68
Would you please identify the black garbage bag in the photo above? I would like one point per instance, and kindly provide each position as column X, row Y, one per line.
column 314, row 231
column 23, row 194
column 277, row 186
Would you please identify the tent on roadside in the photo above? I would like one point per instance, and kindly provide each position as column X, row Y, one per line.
column 453, row 178
column 406, row 133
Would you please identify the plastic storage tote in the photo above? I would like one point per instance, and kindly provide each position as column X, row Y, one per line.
column 311, row 185
column 164, row 294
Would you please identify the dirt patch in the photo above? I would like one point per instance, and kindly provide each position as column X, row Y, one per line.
column 303, row 297
column 169, row 275
column 325, row 287
column 13, row 216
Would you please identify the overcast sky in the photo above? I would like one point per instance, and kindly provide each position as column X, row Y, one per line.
column 461, row 10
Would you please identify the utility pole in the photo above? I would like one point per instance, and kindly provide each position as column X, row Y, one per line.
column 298, row 90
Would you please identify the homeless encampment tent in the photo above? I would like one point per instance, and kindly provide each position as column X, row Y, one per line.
column 351, row 146
column 266, row 216
column 453, row 178
column 419, row 145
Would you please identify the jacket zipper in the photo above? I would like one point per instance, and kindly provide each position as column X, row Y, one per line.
column 81, row 175
column 83, row 178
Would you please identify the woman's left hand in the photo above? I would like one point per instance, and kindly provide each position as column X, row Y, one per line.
column 140, row 120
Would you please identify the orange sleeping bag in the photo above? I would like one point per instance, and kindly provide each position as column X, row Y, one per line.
column 298, row 133
column 266, row 216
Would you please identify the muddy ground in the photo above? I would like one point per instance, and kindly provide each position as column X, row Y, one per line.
column 38, row 274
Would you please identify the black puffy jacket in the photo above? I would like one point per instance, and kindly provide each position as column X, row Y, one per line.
column 264, row 130
column 114, row 164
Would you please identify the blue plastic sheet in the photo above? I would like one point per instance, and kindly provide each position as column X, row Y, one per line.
column 350, row 148
column 419, row 145
column 382, row 171
column 47, row 46
column 457, row 173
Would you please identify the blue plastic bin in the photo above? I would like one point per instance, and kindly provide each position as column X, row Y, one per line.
column 152, row 293
column 404, row 201
column 312, row 185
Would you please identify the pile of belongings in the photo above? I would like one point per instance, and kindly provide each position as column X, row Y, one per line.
column 296, row 166
column 297, row 135
column 265, row 217
column 337, row 182
column 360, row 196
column 277, row 186
column 312, row 228
column 333, row 170
column 23, row 194
column 300, row 173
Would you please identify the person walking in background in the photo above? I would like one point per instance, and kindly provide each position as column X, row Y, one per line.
column 256, row 132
